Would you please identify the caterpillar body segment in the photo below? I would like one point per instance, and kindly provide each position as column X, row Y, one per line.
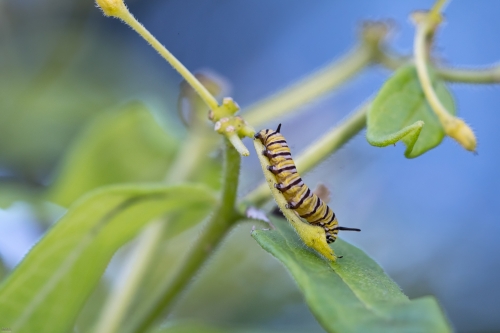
column 299, row 197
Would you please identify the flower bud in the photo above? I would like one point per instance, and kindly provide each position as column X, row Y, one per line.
column 111, row 7
column 458, row 129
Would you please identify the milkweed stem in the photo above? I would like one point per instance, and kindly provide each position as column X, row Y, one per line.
column 124, row 14
column 215, row 229
column 454, row 127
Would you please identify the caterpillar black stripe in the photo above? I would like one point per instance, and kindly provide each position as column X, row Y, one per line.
column 299, row 197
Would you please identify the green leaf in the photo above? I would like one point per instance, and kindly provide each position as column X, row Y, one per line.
column 47, row 290
column 252, row 291
column 400, row 112
column 353, row 294
column 123, row 146
column 11, row 192
column 205, row 328
column 3, row 270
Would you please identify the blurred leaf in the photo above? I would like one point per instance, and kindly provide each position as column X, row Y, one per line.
column 400, row 112
column 127, row 145
column 11, row 192
column 352, row 295
column 170, row 252
column 244, row 287
column 56, row 277
column 3, row 270
column 35, row 128
column 93, row 307
column 209, row 172
column 203, row 328
column 239, row 270
column 181, row 221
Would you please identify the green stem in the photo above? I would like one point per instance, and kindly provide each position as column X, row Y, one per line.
column 321, row 149
column 454, row 127
column 393, row 61
column 318, row 151
column 311, row 87
column 474, row 76
column 423, row 31
column 214, row 231
column 207, row 97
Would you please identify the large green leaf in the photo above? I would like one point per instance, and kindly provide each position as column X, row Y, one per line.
column 353, row 294
column 47, row 290
column 400, row 112
column 123, row 146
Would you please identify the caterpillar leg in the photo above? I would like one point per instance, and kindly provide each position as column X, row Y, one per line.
column 279, row 187
column 273, row 169
column 291, row 205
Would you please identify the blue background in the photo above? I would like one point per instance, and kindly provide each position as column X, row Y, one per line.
column 430, row 222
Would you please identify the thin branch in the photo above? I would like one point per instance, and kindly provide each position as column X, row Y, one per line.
column 485, row 75
column 117, row 8
column 454, row 127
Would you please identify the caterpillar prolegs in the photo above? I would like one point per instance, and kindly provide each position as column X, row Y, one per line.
column 299, row 197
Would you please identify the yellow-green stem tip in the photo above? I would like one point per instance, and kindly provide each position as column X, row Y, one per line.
column 112, row 7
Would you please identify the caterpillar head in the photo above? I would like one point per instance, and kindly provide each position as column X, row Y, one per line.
column 263, row 134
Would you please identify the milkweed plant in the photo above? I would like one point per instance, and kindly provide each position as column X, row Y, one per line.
column 344, row 289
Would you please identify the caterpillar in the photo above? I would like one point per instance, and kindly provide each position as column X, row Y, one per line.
column 298, row 196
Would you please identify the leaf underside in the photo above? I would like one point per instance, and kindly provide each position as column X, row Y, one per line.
column 353, row 294
column 400, row 112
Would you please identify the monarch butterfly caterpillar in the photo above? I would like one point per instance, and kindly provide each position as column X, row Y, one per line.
column 298, row 196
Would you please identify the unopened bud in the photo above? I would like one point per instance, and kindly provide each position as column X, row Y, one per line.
column 458, row 129
column 111, row 7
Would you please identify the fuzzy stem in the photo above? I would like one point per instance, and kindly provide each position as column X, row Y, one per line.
column 214, row 231
column 454, row 127
column 474, row 76
column 423, row 29
column 130, row 20
column 238, row 144
column 485, row 75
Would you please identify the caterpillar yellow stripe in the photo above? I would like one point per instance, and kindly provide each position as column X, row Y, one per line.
column 299, row 197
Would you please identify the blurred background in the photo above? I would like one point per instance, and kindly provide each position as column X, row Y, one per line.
column 430, row 222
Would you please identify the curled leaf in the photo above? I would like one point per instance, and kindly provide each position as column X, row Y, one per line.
column 400, row 112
